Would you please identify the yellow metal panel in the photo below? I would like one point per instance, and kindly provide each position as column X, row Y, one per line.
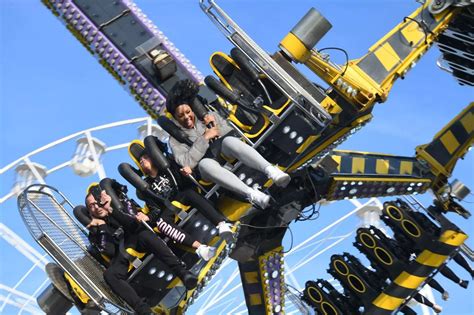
column 77, row 289
column 232, row 209
column 179, row 205
column 387, row 302
column 381, row 166
column 449, row 141
column 330, row 106
column 305, row 144
column 255, row 299
column 453, row 238
column 431, row 259
column 409, row 281
column 468, row 122
column 337, row 159
column 406, row 168
column 413, row 33
column 295, row 47
column 387, row 56
column 134, row 253
column 251, row 277
column 358, row 165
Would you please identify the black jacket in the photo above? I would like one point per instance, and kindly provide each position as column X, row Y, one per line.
column 165, row 188
column 106, row 237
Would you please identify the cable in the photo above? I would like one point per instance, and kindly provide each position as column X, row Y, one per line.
column 314, row 211
column 422, row 25
column 291, row 244
column 340, row 49
column 289, row 285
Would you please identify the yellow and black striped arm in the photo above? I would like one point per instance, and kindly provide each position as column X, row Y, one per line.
column 251, row 283
column 264, row 283
column 369, row 79
column 447, row 146
column 403, row 286
column 433, row 252
column 363, row 174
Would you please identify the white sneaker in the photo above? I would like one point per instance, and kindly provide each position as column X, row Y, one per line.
column 445, row 295
column 205, row 252
column 437, row 309
column 280, row 178
column 224, row 231
column 258, row 198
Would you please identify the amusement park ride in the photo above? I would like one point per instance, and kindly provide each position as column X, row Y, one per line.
column 294, row 123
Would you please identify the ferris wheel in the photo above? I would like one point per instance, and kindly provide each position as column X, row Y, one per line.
column 86, row 160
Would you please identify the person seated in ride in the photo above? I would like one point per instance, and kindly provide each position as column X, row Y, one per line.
column 166, row 187
column 210, row 138
column 161, row 212
column 105, row 222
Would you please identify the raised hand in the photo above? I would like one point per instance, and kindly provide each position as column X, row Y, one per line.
column 142, row 217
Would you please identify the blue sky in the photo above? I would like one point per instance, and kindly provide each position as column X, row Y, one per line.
column 51, row 87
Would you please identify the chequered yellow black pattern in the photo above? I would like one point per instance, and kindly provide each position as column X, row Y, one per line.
column 353, row 163
column 417, row 271
column 361, row 174
column 398, row 49
column 259, row 278
column 450, row 143
column 252, row 285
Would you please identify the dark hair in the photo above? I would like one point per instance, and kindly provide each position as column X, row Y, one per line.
column 183, row 92
column 85, row 199
column 93, row 190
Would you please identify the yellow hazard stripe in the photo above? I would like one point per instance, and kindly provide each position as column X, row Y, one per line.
column 387, row 302
column 387, row 56
column 453, row 238
column 449, row 141
column 409, row 281
column 251, row 277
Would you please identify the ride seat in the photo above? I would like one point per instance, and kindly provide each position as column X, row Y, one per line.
column 82, row 215
column 238, row 76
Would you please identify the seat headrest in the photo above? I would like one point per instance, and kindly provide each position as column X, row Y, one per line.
column 136, row 149
column 173, row 130
column 82, row 215
column 152, row 148
column 132, row 176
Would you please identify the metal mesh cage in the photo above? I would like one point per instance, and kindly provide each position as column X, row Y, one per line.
column 46, row 213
